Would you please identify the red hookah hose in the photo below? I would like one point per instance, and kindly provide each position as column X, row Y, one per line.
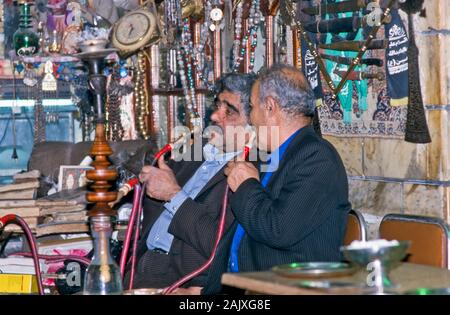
column 12, row 218
column 55, row 258
column 219, row 235
column 136, row 212
column 126, row 242
column 136, row 238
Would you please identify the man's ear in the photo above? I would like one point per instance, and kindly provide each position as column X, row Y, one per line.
column 271, row 105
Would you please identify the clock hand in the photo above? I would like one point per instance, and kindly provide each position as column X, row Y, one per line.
column 131, row 30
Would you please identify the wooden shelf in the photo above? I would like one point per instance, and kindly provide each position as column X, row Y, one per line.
column 53, row 58
column 175, row 91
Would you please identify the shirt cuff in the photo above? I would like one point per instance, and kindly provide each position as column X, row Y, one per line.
column 174, row 204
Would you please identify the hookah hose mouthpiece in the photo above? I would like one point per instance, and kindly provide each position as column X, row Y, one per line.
column 15, row 219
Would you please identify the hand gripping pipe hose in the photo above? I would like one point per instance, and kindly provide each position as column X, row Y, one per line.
column 219, row 233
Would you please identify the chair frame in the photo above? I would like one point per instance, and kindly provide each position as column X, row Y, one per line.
column 362, row 223
column 421, row 219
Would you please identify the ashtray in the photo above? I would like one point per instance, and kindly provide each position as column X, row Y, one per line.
column 378, row 257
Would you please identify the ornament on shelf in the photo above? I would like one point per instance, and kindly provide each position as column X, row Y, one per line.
column 73, row 15
column 216, row 16
column 54, row 45
column 41, row 36
column 29, row 78
column 49, row 82
column 71, row 37
column 191, row 8
column 26, row 41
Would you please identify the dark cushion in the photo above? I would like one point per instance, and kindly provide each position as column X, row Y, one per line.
column 48, row 156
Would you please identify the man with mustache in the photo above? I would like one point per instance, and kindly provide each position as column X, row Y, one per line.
column 184, row 199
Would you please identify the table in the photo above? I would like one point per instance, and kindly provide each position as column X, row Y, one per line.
column 406, row 277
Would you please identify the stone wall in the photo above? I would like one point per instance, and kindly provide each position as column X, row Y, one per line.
column 394, row 176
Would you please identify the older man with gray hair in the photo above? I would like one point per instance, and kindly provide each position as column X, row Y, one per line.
column 296, row 209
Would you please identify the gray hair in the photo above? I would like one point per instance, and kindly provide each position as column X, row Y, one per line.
column 289, row 87
column 239, row 83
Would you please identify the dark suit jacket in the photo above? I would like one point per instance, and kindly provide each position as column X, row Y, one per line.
column 194, row 228
column 300, row 216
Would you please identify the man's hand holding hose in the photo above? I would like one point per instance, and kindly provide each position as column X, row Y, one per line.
column 160, row 182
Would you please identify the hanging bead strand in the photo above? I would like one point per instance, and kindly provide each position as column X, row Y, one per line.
column 199, row 54
column 140, row 95
column 188, row 46
column 251, row 33
column 237, row 31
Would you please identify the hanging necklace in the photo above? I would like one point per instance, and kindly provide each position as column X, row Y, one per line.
column 199, row 54
column 140, row 95
column 172, row 19
column 188, row 46
column 115, row 128
column 185, row 59
column 252, row 33
column 237, row 31
column 189, row 95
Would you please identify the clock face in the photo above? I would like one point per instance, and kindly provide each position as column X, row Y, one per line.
column 216, row 14
column 132, row 28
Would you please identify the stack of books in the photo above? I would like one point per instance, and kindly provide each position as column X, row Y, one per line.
column 24, row 187
column 64, row 212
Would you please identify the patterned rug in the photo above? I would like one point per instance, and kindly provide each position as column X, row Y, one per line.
column 382, row 118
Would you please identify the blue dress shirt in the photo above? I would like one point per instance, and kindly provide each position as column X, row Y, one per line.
column 159, row 237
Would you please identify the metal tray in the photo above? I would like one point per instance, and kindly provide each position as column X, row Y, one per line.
column 428, row 291
column 314, row 270
column 146, row 291
column 328, row 284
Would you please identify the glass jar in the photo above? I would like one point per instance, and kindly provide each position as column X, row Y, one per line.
column 26, row 41
column 103, row 274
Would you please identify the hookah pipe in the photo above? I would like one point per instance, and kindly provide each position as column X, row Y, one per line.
column 220, row 230
column 15, row 219
column 136, row 211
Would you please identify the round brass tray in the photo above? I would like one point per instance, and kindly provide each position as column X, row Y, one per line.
column 314, row 270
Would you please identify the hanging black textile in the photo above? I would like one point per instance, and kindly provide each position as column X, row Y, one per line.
column 416, row 124
column 309, row 66
column 397, row 60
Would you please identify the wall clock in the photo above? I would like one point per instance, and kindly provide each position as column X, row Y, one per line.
column 134, row 31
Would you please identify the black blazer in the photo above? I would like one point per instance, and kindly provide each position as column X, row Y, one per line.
column 300, row 216
column 194, row 227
